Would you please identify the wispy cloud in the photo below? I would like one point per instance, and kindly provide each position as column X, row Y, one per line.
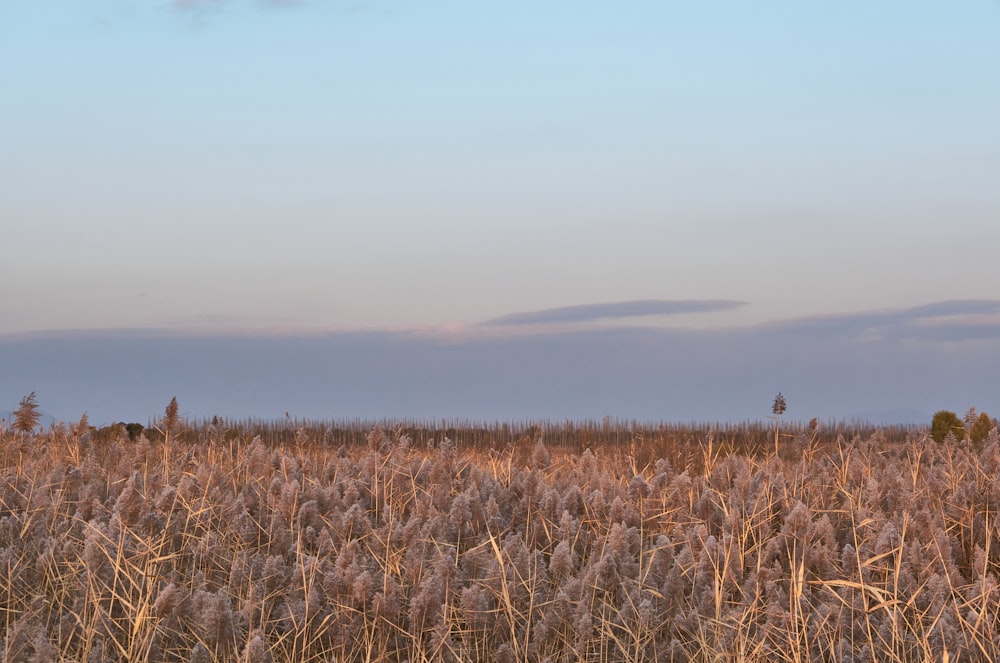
column 615, row 310
column 956, row 319
column 196, row 5
column 204, row 5
column 953, row 307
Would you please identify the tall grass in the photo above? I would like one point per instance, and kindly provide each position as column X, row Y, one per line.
column 554, row 542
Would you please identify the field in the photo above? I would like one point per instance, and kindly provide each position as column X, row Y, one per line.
column 558, row 542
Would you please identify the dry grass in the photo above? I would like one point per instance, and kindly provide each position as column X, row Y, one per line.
column 215, row 545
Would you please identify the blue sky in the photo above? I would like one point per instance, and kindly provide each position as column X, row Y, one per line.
column 470, row 174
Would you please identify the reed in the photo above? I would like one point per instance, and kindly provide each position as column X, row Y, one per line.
column 601, row 541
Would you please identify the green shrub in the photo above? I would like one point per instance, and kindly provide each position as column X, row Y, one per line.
column 981, row 428
column 945, row 422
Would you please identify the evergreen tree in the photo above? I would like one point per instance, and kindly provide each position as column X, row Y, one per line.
column 778, row 408
column 981, row 428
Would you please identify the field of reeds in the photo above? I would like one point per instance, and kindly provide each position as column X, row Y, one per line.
column 607, row 542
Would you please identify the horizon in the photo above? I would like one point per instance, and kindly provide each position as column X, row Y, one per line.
column 573, row 363
column 47, row 421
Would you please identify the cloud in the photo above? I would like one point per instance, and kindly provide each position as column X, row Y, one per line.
column 615, row 310
column 955, row 307
column 954, row 320
column 205, row 5
column 830, row 368
column 196, row 5
column 647, row 374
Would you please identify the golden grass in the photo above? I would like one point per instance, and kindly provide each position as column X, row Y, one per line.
column 209, row 546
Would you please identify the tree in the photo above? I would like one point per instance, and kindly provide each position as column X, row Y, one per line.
column 981, row 428
column 779, row 406
column 778, row 409
column 945, row 422
column 134, row 431
column 27, row 416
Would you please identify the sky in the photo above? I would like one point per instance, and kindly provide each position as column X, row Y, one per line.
column 653, row 210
